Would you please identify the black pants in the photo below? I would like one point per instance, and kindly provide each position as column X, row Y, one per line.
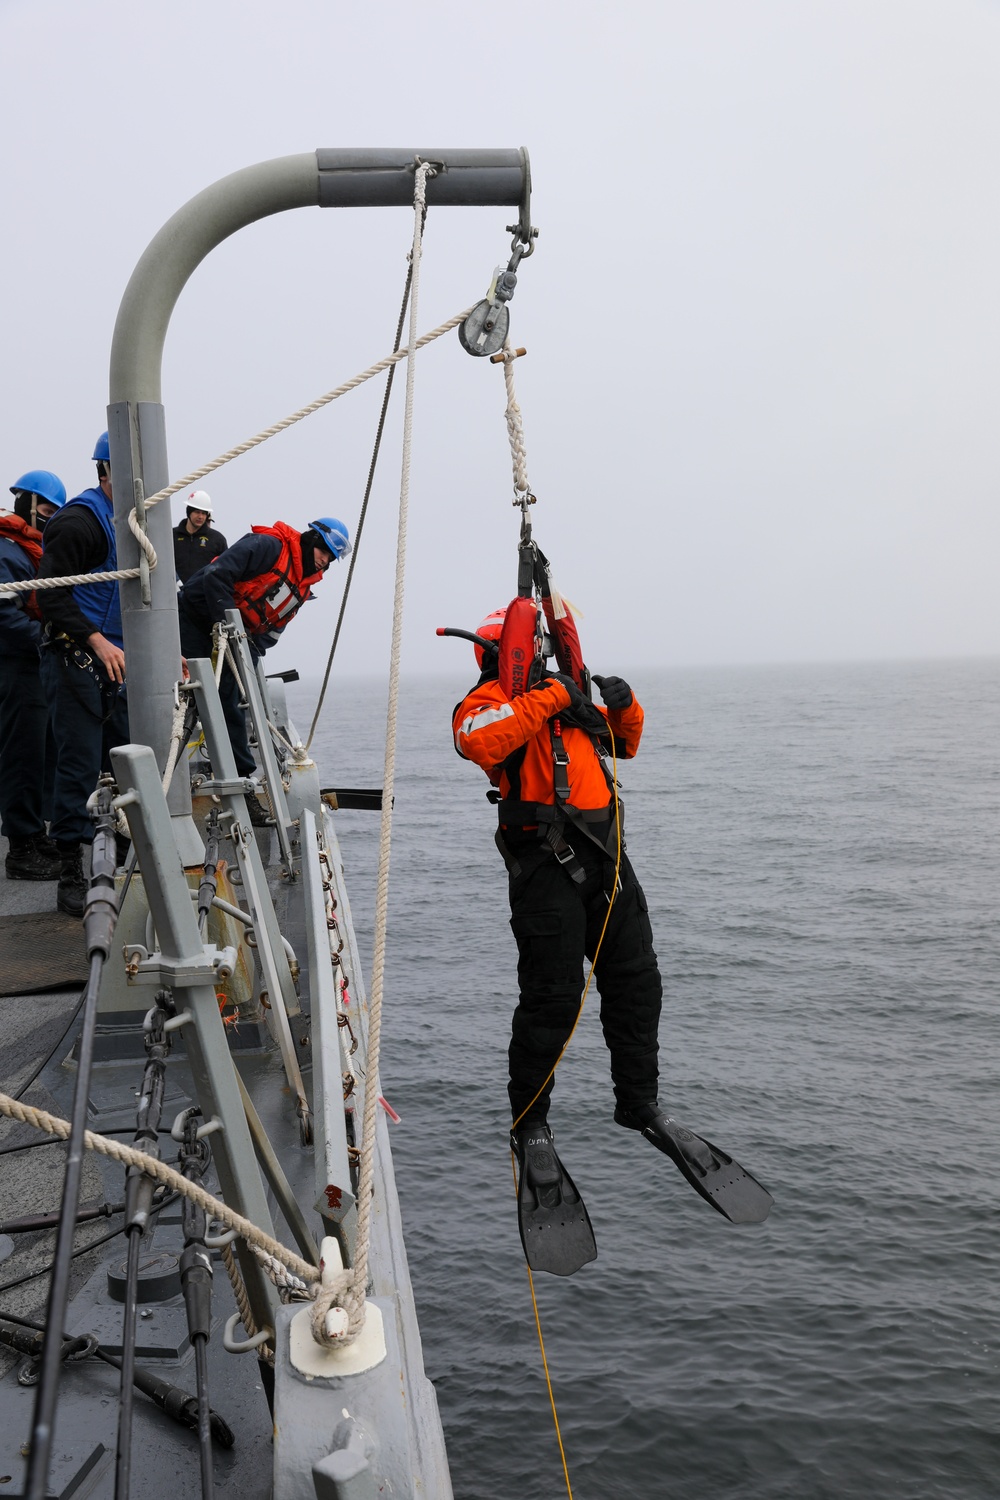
column 196, row 640
column 27, row 752
column 557, row 923
column 89, row 715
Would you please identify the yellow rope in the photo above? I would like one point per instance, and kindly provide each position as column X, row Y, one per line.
column 545, row 1362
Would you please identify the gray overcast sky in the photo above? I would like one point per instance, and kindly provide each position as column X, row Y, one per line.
column 763, row 325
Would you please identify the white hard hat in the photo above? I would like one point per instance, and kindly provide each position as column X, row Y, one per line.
column 199, row 500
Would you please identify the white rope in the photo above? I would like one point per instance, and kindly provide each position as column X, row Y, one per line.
column 515, row 427
column 176, row 736
column 263, row 1245
column 70, row 580
column 348, row 1287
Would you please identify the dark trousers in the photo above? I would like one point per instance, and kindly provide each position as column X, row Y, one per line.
column 196, row 640
column 557, row 923
column 89, row 716
column 24, row 740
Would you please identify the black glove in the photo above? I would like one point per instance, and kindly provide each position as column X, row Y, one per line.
column 581, row 711
column 615, row 691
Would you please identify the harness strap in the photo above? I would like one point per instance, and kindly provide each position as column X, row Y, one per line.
column 560, row 763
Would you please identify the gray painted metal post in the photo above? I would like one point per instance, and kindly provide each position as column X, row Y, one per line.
column 334, row 1197
column 265, row 747
column 262, row 910
column 212, row 1066
column 152, row 644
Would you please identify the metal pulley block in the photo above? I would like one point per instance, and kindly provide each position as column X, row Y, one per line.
column 485, row 329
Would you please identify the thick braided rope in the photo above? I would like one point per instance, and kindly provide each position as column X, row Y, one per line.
column 70, row 580
column 243, row 1307
column 307, row 411
column 515, row 427
column 256, row 1238
column 348, row 1287
column 176, row 736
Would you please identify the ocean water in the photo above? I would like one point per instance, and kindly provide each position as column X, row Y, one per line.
column 819, row 848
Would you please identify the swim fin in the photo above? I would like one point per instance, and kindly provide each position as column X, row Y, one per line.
column 711, row 1172
column 554, row 1224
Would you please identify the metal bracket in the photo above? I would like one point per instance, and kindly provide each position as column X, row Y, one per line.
column 241, row 786
column 143, row 967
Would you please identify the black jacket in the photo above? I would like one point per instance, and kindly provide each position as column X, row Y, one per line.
column 73, row 543
column 195, row 551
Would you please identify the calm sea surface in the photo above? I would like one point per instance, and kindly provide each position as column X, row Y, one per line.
column 819, row 847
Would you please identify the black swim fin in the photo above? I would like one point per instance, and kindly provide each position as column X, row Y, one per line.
column 712, row 1172
column 554, row 1224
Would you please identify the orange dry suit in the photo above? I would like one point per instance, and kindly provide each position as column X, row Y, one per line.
column 547, row 773
column 269, row 601
column 554, row 797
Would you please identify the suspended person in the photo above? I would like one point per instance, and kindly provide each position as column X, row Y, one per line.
column 82, row 667
column 267, row 575
column 24, row 715
column 196, row 544
column 573, row 895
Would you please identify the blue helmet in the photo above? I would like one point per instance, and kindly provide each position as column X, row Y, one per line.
column 334, row 534
column 102, row 449
column 44, row 484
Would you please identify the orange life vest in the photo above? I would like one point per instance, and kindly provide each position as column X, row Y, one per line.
column 269, row 601
column 30, row 541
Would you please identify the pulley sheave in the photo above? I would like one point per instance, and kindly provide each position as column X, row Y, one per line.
column 485, row 329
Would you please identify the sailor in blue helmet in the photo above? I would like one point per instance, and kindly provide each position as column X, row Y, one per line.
column 267, row 575
column 24, row 716
column 82, row 667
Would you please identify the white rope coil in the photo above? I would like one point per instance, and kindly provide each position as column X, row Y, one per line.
column 71, row 580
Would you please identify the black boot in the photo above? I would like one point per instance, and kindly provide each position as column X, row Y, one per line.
column 259, row 816
column 71, row 892
column 27, row 861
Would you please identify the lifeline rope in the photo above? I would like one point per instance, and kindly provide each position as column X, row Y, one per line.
column 70, row 580
column 515, row 427
column 348, row 1287
column 269, row 1251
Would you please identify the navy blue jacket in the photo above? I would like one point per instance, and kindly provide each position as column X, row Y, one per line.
column 209, row 593
column 19, row 633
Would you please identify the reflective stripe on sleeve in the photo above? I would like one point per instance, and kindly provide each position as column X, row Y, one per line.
column 482, row 717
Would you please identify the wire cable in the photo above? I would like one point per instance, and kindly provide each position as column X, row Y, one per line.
column 364, row 503
column 43, row 1423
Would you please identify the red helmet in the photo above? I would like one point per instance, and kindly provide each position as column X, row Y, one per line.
column 490, row 630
